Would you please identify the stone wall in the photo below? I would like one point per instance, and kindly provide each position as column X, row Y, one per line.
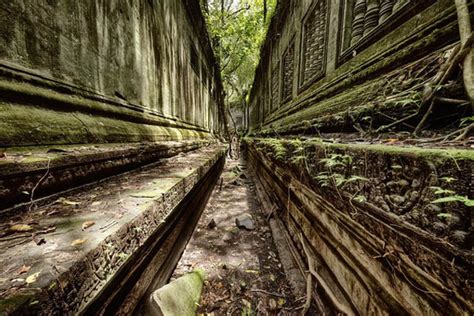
column 105, row 71
column 339, row 46
column 357, row 204
column 362, row 219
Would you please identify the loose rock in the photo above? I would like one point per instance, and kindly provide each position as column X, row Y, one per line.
column 245, row 221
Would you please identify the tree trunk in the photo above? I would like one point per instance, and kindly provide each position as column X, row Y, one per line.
column 265, row 11
column 465, row 30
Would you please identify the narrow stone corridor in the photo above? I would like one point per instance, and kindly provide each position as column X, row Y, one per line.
column 353, row 193
column 244, row 273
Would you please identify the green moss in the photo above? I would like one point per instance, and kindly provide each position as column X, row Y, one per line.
column 428, row 153
column 182, row 296
column 433, row 25
column 22, row 125
column 433, row 154
column 9, row 305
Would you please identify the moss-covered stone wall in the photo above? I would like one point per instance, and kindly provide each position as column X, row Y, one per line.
column 369, row 222
column 105, row 71
column 351, row 77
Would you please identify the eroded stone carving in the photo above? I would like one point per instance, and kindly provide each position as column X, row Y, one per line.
column 371, row 16
column 386, row 9
column 360, row 7
column 314, row 43
column 275, row 79
column 288, row 72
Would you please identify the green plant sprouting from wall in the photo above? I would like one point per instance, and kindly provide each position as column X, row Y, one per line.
column 449, row 196
column 339, row 179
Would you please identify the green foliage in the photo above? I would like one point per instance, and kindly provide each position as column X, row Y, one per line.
column 278, row 149
column 450, row 195
column 325, row 178
column 360, row 199
column 237, row 29
column 466, row 121
column 439, row 191
column 335, row 160
column 448, row 179
column 455, row 198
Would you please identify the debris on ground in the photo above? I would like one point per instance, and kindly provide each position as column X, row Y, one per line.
column 245, row 221
column 245, row 276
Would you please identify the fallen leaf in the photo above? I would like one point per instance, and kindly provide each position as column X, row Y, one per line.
column 391, row 140
column 96, row 203
column 21, row 228
column 66, row 202
column 78, row 242
column 87, row 224
column 24, row 269
column 18, row 280
column 281, row 302
column 32, row 278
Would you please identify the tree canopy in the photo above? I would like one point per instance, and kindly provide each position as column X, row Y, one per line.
column 237, row 29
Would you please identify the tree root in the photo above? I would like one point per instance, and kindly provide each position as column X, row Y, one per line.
column 463, row 134
column 454, row 59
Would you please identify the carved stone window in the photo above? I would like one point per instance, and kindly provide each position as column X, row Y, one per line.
column 314, row 43
column 275, row 87
column 288, row 72
column 368, row 20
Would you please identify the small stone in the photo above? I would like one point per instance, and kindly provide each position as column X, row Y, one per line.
column 227, row 236
column 245, row 221
column 212, row 224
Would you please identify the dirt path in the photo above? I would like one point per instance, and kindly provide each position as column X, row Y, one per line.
column 244, row 273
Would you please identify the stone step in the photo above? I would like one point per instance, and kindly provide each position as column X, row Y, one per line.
column 32, row 172
column 78, row 250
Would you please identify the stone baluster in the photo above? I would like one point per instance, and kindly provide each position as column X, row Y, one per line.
column 371, row 16
column 360, row 8
column 386, row 9
column 399, row 4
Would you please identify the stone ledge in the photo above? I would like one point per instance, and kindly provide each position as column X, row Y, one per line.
column 61, row 167
column 78, row 261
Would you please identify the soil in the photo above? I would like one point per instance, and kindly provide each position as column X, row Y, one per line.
column 244, row 273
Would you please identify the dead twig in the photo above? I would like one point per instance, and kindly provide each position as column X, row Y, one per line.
column 268, row 293
column 37, row 184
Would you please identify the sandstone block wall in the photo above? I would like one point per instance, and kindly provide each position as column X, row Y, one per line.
column 105, row 71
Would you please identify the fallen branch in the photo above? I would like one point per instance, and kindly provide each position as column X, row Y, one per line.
column 402, row 120
column 464, row 132
column 268, row 293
